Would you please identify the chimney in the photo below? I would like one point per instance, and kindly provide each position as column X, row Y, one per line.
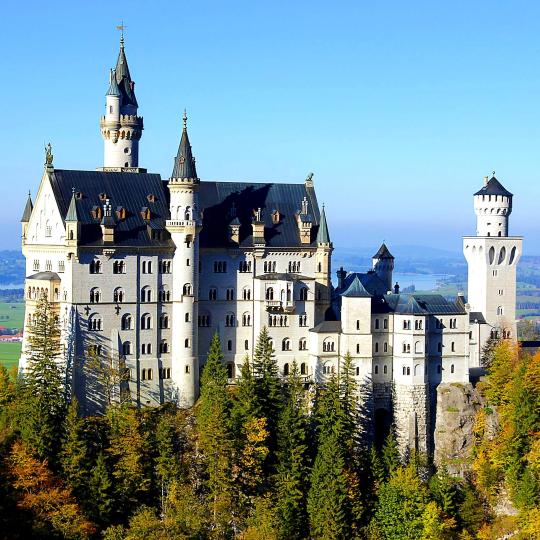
column 486, row 180
column 396, row 288
column 257, row 226
column 341, row 275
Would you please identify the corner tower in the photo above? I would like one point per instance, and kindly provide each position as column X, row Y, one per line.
column 492, row 256
column 323, row 277
column 184, row 226
column 383, row 265
column 121, row 128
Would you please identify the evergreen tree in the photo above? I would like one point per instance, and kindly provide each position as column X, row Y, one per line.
column 292, row 460
column 74, row 455
column 7, row 398
column 216, row 441
column 100, row 492
column 43, row 404
column 245, row 405
column 390, row 454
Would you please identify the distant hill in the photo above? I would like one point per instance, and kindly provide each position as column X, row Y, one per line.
column 12, row 268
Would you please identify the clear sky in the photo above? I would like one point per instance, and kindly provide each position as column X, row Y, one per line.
column 399, row 108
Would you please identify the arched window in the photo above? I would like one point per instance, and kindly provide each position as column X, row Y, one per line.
column 502, row 255
column 212, row 293
column 143, row 374
column 164, row 294
column 230, row 370
column 303, row 369
column 302, row 319
column 385, row 347
column 164, row 321
column 376, row 347
column 126, row 348
column 146, row 321
column 302, row 344
column 118, row 295
column 408, row 370
column 95, row 267
column 163, row 346
column 328, row 345
column 187, row 317
column 286, row 344
column 303, row 294
column 119, row 267
column 94, row 323
column 286, row 370
column 149, row 374
column 230, row 319
column 385, row 369
column 95, row 295
column 417, row 347
column 512, row 255
column 187, row 289
column 269, row 293
column 127, row 322
column 146, row 294
column 246, row 293
column 187, row 343
column 230, row 293
column 491, row 254
column 500, row 310
column 328, row 368
column 376, row 369
column 229, row 345
column 452, row 368
column 246, row 319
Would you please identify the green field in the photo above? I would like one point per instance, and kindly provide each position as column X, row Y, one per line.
column 11, row 315
column 9, row 354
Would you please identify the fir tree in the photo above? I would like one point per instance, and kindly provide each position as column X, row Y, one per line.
column 74, row 455
column 215, row 438
column 245, row 405
column 292, row 460
column 100, row 492
column 390, row 454
column 44, row 402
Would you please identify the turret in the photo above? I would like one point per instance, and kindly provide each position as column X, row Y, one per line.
column 121, row 128
column 73, row 225
column 323, row 260
column 383, row 265
column 26, row 216
column 492, row 206
column 184, row 226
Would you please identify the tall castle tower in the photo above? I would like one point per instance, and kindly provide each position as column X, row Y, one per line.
column 121, row 128
column 492, row 256
column 184, row 227
column 383, row 265
column 323, row 259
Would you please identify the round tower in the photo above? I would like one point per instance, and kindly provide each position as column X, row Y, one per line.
column 323, row 276
column 121, row 128
column 383, row 265
column 184, row 226
column 492, row 206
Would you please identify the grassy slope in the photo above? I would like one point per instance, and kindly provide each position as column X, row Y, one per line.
column 14, row 314
column 9, row 354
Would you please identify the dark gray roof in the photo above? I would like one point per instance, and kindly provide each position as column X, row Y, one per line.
column 422, row 304
column 129, row 190
column 184, row 162
column 218, row 199
column 72, row 214
column 276, row 276
column 123, row 78
column 494, row 187
column 323, row 237
column 27, row 210
column 356, row 289
column 113, row 86
column 383, row 253
column 327, row 327
column 477, row 317
column 50, row 276
column 371, row 282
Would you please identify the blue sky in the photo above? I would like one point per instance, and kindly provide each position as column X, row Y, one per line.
column 399, row 108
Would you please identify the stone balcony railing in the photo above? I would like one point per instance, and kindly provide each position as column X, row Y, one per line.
column 278, row 305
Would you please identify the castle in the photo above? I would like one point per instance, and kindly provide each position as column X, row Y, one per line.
column 142, row 272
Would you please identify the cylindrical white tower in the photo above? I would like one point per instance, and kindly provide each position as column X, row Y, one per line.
column 184, row 226
column 492, row 206
column 121, row 128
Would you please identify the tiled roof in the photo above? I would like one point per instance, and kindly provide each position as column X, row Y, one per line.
column 494, row 187
column 217, row 199
column 129, row 190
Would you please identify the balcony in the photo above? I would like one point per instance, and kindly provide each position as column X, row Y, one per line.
column 278, row 305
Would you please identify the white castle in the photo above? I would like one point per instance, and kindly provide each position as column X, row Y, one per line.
column 142, row 273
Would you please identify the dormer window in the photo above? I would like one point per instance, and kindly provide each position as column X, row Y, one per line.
column 276, row 216
column 103, row 196
column 120, row 212
column 145, row 213
column 151, row 198
column 78, row 195
column 97, row 212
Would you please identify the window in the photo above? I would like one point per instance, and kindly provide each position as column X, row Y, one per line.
column 95, row 350
column 212, row 293
column 164, row 294
column 439, row 368
column 229, row 345
column 229, row 319
column 220, row 267
column 439, row 324
column 406, row 325
column 269, row 293
column 230, row 370
column 303, row 294
column 230, row 294
column 146, row 321
column 119, row 267
column 94, row 323
column 48, row 265
column 244, row 267
column 358, row 348
column 246, row 293
column 501, row 292
column 286, row 344
column 127, row 322
column 376, row 324
column 36, row 265
column 147, row 267
column 187, row 343
column 95, row 267
column 376, row 369
column 143, row 374
column 453, row 346
column 278, row 320
column 303, row 368
column 302, row 319
column 187, row 317
column 246, row 319
column 118, row 295
column 164, row 321
column 452, row 368
column 204, row 320
column 358, row 325
column 499, row 310
column 286, row 370
column 376, row 347
column 146, row 294
column 385, row 369
column 328, row 345
column 95, row 296
column 294, row 266
column 187, row 290
column 385, row 347
column 188, row 369
column 406, row 348
column 302, row 344
column 126, row 348
column 246, row 345
column 165, row 267
column 149, row 373
column 385, row 323
column 269, row 266
column 328, row 369
column 146, row 348
column 439, row 347
column 418, row 324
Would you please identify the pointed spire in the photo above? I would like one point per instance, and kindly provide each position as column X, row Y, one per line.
column 184, row 163
column 356, row 289
column 113, row 90
column 383, row 253
column 323, row 237
column 123, row 77
column 27, row 210
column 72, row 214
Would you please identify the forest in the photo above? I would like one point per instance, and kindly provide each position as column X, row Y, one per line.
column 266, row 458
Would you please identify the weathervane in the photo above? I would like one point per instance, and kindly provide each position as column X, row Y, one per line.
column 121, row 27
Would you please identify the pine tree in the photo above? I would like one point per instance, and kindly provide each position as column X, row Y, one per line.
column 390, row 454
column 44, row 402
column 292, row 460
column 7, row 398
column 100, row 492
column 74, row 455
column 245, row 405
column 215, row 438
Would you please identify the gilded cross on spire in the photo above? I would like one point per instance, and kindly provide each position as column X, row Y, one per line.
column 184, row 118
column 121, row 27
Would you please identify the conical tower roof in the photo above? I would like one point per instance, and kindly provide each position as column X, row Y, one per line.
column 383, row 253
column 323, row 236
column 123, row 78
column 27, row 210
column 72, row 214
column 184, row 162
column 113, row 90
column 494, row 187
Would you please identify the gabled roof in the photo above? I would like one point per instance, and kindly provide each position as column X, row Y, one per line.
column 219, row 199
column 123, row 78
column 423, row 304
column 27, row 210
column 129, row 190
column 113, row 90
column 184, row 162
column 371, row 282
column 327, row 327
column 356, row 290
column 383, row 253
column 323, row 237
column 494, row 187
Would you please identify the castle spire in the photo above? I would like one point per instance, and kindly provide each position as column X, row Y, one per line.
column 27, row 210
column 113, row 90
column 72, row 214
column 323, row 237
column 123, row 77
column 184, row 162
